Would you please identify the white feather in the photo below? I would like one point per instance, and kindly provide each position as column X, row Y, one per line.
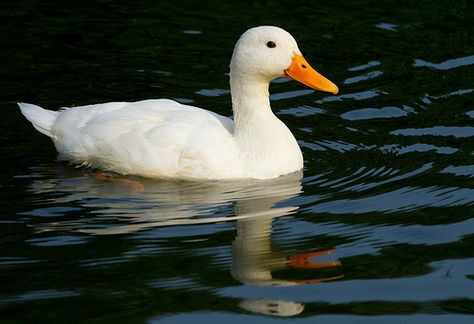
column 163, row 138
column 41, row 119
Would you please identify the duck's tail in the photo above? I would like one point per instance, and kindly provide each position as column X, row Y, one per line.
column 41, row 119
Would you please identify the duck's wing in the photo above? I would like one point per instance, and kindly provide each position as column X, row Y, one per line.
column 156, row 138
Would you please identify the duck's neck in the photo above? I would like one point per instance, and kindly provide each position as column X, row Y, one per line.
column 266, row 144
column 250, row 103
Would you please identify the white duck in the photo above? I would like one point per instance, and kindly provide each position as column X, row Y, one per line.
column 165, row 139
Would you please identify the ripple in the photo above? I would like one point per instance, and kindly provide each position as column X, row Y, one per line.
column 358, row 175
column 418, row 147
column 462, row 170
column 290, row 94
column 50, row 211
column 9, row 261
column 427, row 97
column 40, row 295
column 387, row 26
column 424, row 288
column 175, row 283
column 367, row 76
column 363, row 95
column 302, row 111
column 339, row 146
column 373, row 113
column 406, row 198
column 185, row 101
column 62, row 240
column 212, row 92
column 456, row 131
column 365, row 186
column 369, row 239
column 446, row 65
column 364, row 66
column 311, row 146
column 192, row 32
column 94, row 263
column 164, row 73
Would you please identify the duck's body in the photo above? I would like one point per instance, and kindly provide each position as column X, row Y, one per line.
column 165, row 139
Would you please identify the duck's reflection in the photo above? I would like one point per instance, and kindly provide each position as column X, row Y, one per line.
column 253, row 257
column 281, row 308
column 152, row 204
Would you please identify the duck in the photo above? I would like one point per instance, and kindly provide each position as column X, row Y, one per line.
column 162, row 138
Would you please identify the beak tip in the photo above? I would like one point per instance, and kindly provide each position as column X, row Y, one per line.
column 334, row 90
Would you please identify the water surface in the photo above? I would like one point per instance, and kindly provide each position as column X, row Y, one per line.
column 378, row 228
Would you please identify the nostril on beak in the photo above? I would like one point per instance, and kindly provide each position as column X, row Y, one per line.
column 303, row 66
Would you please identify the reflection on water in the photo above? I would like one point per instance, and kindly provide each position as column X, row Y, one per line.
column 143, row 204
column 272, row 307
column 446, row 65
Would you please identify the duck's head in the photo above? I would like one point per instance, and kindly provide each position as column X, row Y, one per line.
column 268, row 52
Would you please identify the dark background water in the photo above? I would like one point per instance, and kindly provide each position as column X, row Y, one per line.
column 384, row 211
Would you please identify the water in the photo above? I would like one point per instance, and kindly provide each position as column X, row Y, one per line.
column 378, row 229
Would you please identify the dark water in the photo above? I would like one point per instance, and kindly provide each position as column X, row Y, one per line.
column 379, row 229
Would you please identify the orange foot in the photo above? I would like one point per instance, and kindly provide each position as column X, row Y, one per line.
column 303, row 260
column 133, row 183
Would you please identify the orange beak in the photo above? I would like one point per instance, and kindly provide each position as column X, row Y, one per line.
column 301, row 71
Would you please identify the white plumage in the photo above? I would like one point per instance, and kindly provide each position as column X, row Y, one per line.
column 165, row 139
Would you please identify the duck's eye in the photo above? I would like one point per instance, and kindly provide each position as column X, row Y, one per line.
column 271, row 44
